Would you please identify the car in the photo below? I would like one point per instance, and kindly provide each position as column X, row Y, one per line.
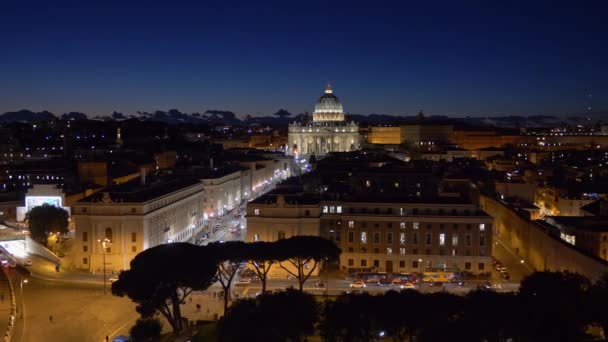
column 356, row 292
column 357, row 285
column 384, row 282
column 501, row 269
column 28, row 263
column 243, row 282
column 372, row 279
column 397, row 281
column 112, row 279
column 320, row 285
column 407, row 286
column 505, row 275
column 436, row 284
column 4, row 262
column 12, row 264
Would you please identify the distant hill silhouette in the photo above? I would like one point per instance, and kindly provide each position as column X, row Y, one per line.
column 25, row 115
column 220, row 117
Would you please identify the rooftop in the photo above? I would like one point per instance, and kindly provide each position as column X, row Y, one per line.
column 135, row 192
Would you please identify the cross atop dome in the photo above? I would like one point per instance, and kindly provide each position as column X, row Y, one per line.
column 328, row 89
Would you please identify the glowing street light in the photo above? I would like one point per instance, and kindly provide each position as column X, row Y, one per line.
column 104, row 243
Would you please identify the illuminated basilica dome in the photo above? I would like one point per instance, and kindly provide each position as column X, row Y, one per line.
column 328, row 107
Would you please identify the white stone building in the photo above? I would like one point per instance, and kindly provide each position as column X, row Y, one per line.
column 328, row 132
column 134, row 216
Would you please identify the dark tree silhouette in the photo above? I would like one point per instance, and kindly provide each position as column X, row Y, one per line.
column 45, row 219
column 262, row 256
column 162, row 277
column 598, row 298
column 146, row 330
column 231, row 256
column 304, row 253
column 554, row 306
column 264, row 319
column 282, row 113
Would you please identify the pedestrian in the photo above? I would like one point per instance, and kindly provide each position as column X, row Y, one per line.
column 107, row 338
column 51, row 319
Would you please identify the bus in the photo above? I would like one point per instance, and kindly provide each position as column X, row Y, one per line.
column 439, row 277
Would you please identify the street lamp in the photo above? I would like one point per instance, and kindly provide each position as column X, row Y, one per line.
column 104, row 243
column 23, row 281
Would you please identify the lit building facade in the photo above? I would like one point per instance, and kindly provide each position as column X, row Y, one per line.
column 133, row 217
column 382, row 236
column 328, row 132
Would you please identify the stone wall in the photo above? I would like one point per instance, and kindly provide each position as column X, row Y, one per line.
column 535, row 245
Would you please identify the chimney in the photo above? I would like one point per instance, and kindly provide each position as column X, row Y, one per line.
column 142, row 175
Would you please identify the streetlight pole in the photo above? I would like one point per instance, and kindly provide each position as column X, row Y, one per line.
column 103, row 245
column 23, row 280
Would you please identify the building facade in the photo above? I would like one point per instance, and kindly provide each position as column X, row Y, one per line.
column 132, row 217
column 389, row 237
column 328, row 132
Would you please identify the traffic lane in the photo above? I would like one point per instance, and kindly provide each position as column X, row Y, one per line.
column 80, row 312
column 517, row 270
column 337, row 286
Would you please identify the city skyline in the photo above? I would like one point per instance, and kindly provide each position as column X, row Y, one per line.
column 255, row 59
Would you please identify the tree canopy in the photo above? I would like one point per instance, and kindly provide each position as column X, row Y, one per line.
column 304, row 253
column 264, row 318
column 161, row 277
column 46, row 219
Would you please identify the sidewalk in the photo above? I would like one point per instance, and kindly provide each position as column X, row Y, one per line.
column 5, row 303
column 44, row 269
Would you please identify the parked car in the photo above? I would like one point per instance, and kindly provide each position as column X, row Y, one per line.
column 384, row 282
column 357, row 291
column 243, row 282
column 407, row 286
column 357, row 285
column 320, row 285
column 12, row 264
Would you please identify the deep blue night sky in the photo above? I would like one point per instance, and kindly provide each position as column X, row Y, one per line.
column 382, row 57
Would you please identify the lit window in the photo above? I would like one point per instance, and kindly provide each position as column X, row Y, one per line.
column 339, row 209
column 368, row 183
column 256, row 237
column 402, row 225
column 351, row 224
column 256, row 212
column 389, row 250
column 415, row 225
column 324, row 209
column 363, row 237
column 482, row 227
column 332, row 210
column 402, row 250
column 454, row 240
column 402, row 238
column 396, row 185
column 442, row 239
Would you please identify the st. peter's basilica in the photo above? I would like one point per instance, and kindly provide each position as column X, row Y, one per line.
column 328, row 132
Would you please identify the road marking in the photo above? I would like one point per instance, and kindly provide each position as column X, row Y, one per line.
column 111, row 335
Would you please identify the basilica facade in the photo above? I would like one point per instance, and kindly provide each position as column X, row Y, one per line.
column 328, row 132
